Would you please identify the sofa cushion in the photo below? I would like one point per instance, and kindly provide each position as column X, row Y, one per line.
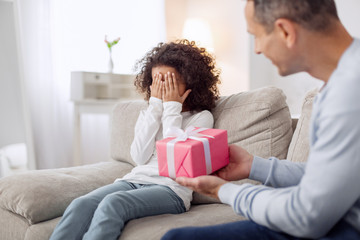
column 41, row 230
column 258, row 120
column 12, row 225
column 299, row 146
column 153, row 228
column 44, row 194
column 122, row 137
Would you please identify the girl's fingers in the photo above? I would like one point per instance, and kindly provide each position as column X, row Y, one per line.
column 174, row 83
column 171, row 80
column 167, row 86
column 155, row 87
column 154, row 82
column 160, row 84
column 157, row 79
column 162, row 90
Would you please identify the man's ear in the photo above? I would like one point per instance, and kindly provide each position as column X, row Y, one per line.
column 286, row 30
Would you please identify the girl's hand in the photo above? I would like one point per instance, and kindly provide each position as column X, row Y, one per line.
column 171, row 90
column 156, row 86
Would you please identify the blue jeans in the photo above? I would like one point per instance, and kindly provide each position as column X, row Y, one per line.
column 102, row 213
column 248, row 230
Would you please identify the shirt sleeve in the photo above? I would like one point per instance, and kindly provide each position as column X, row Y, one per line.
column 326, row 192
column 276, row 173
column 172, row 115
column 202, row 119
column 172, row 118
column 146, row 128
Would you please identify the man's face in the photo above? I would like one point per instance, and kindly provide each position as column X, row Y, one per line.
column 272, row 45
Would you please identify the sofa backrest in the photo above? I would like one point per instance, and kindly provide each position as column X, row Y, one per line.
column 259, row 120
column 123, row 122
column 300, row 143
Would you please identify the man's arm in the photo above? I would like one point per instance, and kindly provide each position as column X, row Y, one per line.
column 328, row 189
column 271, row 172
column 276, row 173
column 326, row 192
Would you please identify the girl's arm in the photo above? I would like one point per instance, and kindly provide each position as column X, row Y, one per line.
column 146, row 128
column 171, row 116
column 202, row 119
column 148, row 125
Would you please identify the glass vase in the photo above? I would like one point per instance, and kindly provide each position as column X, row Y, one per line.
column 110, row 64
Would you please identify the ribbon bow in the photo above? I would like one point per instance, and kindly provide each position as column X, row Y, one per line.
column 190, row 132
column 181, row 136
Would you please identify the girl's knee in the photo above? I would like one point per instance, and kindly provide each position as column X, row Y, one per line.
column 113, row 202
column 82, row 203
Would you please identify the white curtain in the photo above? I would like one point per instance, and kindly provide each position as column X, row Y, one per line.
column 60, row 36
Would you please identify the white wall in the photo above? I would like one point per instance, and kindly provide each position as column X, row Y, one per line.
column 229, row 35
column 349, row 14
column 229, row 46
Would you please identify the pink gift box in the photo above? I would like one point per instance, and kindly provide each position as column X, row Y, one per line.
column 189, row 156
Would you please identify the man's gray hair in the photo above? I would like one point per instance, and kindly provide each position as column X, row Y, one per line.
column 315, row 15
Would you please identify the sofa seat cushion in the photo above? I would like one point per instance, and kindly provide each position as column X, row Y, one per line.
column 44, row 194
column 154, row 227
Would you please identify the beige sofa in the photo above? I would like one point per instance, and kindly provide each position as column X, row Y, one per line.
column 31, row 204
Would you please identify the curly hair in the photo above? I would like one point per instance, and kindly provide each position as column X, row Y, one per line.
column 194, row 64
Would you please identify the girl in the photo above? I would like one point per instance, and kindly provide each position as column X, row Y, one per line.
column 179, row 81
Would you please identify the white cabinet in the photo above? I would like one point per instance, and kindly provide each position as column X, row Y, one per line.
column 92, row 85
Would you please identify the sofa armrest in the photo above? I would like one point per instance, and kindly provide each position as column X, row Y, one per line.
column 294, row 122
column 44, row 194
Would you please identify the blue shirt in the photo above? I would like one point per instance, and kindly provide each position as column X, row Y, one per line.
column 307, row 200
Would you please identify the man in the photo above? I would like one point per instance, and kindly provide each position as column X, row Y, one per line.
column 322, row 198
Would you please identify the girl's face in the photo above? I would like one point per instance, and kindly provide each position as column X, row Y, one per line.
column 163, row 69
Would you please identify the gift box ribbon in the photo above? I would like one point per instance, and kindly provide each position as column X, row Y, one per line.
column 181, row 136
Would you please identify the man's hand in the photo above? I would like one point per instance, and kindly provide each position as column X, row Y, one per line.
column 239, row 166
column 208, row 185
column 157, row 86
column 171, row 89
